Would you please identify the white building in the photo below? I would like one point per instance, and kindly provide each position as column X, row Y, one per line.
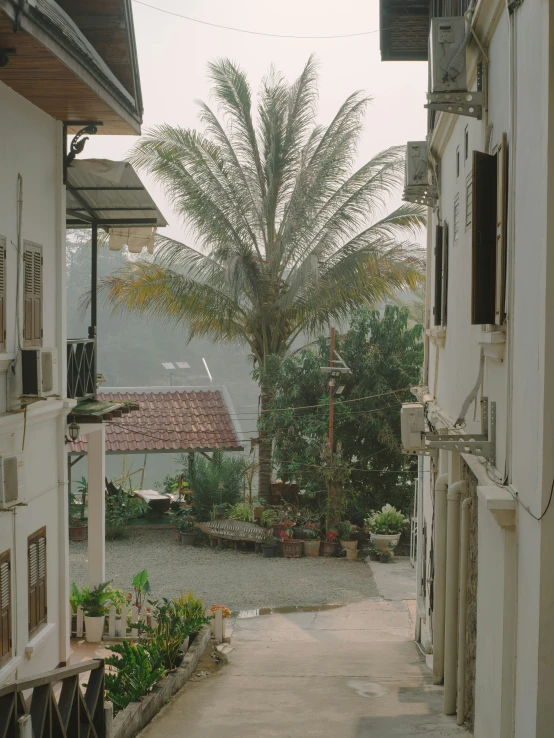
column 486, row 585
column 63, row 65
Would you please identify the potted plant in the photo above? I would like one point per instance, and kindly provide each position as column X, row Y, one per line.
column 386, row 527
column 187, row 527
column 330, row 545
column 290, row 548
column 312, row 539
column 269, row 544
column 284, row 523
column 119, row 599
column 77, row 527
column 348, row 535
column 77, row 519
column 94, row 604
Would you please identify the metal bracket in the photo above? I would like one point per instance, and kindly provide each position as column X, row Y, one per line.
column 421, row 194
column 477, row 444
column 458, row 103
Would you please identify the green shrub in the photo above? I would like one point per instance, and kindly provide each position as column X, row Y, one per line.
column 241, row 511
column 135, row 670
column 120, row 509
column 95, row 601
column 216, row 481
column 388, row 522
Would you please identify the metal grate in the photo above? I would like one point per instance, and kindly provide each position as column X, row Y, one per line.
column 81, row 375
column 449, row 8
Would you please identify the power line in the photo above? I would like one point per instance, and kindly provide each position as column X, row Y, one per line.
column 252, row 33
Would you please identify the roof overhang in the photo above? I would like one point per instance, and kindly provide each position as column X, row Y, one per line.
column 405, row 30
column 52, row 64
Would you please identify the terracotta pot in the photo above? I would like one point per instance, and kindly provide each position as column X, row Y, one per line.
column 349, row 545
column 328, row 548
column 351, row 555
column 291, row 549
column 311, row 548
column 77, row 532
column 385, row 544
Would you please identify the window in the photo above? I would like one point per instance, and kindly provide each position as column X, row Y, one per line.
column 37, row 579
column 456, row 217
column 2, row 293
column 466, row 143
column 484, row 229
column 457, row 162
column 469, row 198
column 501, row 230
column 32, row 323
column 441, row 274
column 5, row 608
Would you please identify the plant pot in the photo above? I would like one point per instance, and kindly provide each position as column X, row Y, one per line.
column 298, row 533
column 385, row 544
column 328, row 548
column 278, row 529
column 351, row 555
column 94, row 627
column 258, row 511
column 311, row 548
column 269, row 552
column 291, row 549
column 349, row 545
column 77, row 532
column 188, row 539
column 384, row 558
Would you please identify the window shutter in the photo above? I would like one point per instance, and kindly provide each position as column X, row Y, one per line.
column 33, row 268
column 501, row 232
column 37, row 579
column 483, row 238
column 437, row 310
column 2, row 293
column 5, row 608
column 444, row 297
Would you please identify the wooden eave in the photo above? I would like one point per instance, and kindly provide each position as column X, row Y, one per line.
column 68, row 81
column 404, row 30
column 98, row 411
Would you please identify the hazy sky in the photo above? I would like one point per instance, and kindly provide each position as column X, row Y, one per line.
column 173, row 54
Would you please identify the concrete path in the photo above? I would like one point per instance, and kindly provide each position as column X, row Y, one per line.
column 349, row 672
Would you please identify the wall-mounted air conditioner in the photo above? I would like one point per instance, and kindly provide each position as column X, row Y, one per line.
column 412, row 427
column 39, row 372
column 11, row 479
column 419, row 182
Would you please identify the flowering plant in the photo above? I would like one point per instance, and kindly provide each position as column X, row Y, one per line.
column 285, row 535
column 332, row 536
column 269, row 539
column 388, row 521
column 311, row 531
column 347, row 531
column 225, row 612
column 286, row 516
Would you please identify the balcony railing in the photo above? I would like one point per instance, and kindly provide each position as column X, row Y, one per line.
column 81, row 368
column 74, row 711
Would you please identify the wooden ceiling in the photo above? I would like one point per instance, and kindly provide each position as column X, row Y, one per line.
column 404, row 30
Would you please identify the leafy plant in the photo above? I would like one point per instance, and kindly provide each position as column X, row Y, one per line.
column 347, row 531
column 269, row 517
column 94, row 601
column 241, row 511
column 120, row 509
column 135, row 669
column 185, row 521
column 118, row 598
column 311, row 532
column 141, row 587
column 76, row 596
column 217, row 481
column 332, row 536
column 388, row 521
column 268, row 539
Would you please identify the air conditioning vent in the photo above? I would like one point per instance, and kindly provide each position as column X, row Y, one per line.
column 419, row 184
column 11, row 479
column 448, row 55
column 39, row 372
column 412, row 427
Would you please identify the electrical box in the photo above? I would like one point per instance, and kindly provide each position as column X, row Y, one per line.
column 412, row 426
column 11, row 479
column 39, row 372
column 416, row 164
column 447, row 60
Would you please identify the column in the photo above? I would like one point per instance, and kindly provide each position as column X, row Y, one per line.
column 96, row 509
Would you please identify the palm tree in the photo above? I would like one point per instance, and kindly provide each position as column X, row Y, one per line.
column 289, row 237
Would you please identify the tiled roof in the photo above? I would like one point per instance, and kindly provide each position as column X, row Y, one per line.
column 168, row 421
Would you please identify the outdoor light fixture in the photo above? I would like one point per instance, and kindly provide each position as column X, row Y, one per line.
column 74, row 431
column 5, row 56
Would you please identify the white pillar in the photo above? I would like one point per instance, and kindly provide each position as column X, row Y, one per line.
column 64, row 620
column 96, row 509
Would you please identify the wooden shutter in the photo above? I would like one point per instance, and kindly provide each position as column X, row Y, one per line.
column 37, row 579
column 5, row 607
column 501, row 231
column 33, row 267
column 2, row 293
column 483, row 238
column 437, row 309
column 444, row 297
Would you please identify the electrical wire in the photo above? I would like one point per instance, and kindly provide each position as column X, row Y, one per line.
column 252, row 33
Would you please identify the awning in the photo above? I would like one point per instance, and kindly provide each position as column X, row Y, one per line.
column 110, row 194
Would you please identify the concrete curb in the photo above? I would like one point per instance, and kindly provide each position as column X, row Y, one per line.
column 136, row 716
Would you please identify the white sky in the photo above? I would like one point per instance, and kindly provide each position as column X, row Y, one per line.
column 173, row 54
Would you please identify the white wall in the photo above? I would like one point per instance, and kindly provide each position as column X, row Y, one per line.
column 30, row 145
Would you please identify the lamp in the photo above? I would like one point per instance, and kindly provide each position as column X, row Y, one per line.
column 73, row 430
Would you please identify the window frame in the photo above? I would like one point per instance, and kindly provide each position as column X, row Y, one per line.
column 484, row 238
column 5, row 656
column 41, row 611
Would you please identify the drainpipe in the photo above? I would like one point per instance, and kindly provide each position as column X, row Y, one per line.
column 462, row 615
column 441, row 489
column 451, row 605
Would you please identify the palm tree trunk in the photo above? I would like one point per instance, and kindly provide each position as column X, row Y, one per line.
column 264, row 449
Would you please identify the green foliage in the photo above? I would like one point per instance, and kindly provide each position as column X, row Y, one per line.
column 269, row 517
column 347, row 531
column 385, row 357
column 389, row 521
column 120, row 509
column 268, row 539
column 141, row 587
column 216, row 481
column 95, row 601
column 241, row 511
column 76, row 596
column 185, row 520
column 311, row 532
column 135, row 669
column 117, row 597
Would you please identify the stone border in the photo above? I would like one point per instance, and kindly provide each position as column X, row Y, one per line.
column 136, row 716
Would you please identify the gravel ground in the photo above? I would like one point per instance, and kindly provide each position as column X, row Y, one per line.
column 239, row 580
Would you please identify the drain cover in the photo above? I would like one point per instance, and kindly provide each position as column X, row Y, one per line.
column 367, row 689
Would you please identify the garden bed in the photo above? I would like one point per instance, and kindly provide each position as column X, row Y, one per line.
column 136, row 716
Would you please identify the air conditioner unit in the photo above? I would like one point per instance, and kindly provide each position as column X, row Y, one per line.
column 419, row 181
column 447, row 60
column 11, row 479
column 39, row 372
column 412, row 427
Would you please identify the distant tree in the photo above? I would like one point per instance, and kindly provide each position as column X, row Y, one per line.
column 385, row 357
column 290, row 237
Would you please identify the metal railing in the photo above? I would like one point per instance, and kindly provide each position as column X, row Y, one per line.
column 449, row 8
column 81, row 368
column 58, row 706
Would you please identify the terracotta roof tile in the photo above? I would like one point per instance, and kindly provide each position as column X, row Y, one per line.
column 168, row 421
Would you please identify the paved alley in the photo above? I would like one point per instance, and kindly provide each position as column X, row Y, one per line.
column 350, row 672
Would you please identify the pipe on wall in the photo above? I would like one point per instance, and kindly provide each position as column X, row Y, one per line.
column 441, row 489
column 451, row 600
column 462, row 612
